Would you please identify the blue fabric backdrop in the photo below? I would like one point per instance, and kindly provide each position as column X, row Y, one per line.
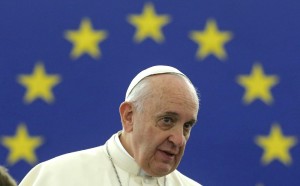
column 65, row 67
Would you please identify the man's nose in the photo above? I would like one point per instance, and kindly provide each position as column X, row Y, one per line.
column 177, row 137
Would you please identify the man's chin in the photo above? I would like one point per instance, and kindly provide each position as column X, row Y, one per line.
column 162, row 169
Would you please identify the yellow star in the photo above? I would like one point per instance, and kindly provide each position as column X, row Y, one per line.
column 276, row 146
column 39, row 84
column 85, row 40
column 148, row 24
column 21, row 146
column 211, row 41
column 257, row 85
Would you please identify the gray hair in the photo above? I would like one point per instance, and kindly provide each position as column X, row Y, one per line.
column 139, row 93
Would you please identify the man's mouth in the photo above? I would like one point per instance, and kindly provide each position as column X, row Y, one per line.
column 167, row 155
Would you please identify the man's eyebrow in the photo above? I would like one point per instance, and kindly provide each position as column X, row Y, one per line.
column 172, row 113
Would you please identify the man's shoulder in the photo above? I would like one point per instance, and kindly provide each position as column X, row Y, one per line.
column 87, row 154
column 183, row 179
column 77, row 158
column 68, row 169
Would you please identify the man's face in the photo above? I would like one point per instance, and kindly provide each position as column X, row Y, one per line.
column 162, row 128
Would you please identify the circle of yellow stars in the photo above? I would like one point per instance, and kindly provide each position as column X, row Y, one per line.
column 149, row 25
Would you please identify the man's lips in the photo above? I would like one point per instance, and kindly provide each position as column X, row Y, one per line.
column 167, row 155
column 171, row 152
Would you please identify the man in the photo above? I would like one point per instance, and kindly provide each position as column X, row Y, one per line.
column 159, row 111
column 5, row 178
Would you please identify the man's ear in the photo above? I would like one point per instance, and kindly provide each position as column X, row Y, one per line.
column 126, row 114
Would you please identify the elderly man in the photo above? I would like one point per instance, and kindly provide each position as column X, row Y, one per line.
column 159, row 111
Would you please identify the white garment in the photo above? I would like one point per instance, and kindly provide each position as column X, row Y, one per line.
column 92, row 167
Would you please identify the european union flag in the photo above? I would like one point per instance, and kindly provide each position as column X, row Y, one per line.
column 65, row 67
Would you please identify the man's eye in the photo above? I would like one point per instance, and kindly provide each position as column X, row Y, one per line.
column 188, row 126
column 167, row 120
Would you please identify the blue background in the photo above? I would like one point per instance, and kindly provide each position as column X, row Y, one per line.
column 221, row 150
